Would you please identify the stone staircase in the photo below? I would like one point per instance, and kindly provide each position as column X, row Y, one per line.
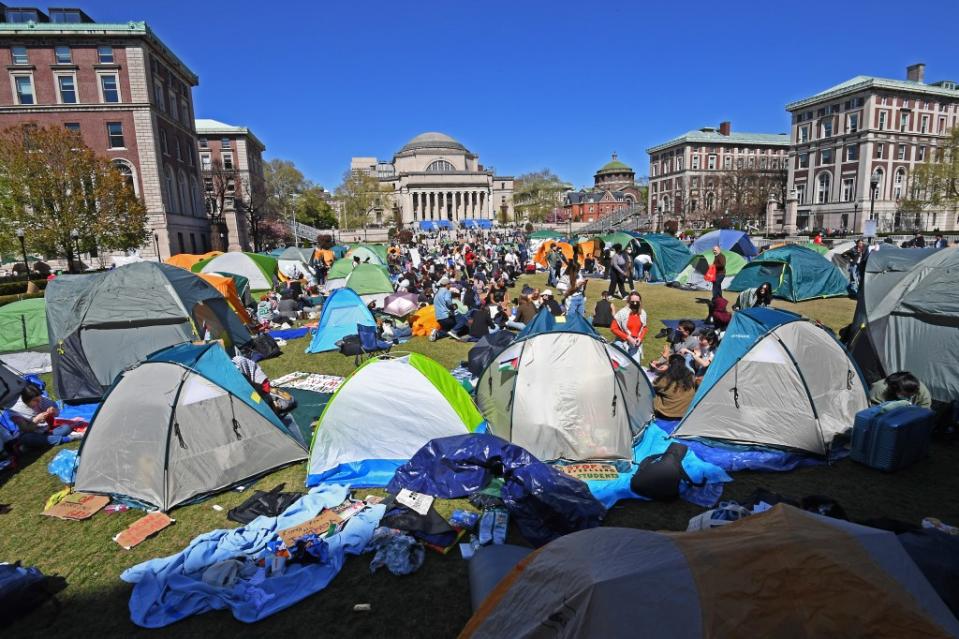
column 633, row 218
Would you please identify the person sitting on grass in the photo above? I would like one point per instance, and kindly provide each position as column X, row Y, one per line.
column 701, row 357
column 900, row 386
column 682, row 338
column 630, row 326
column 551, row 304
column 603, row 311
column 34, row 414
column 675, row 388
column 719, row 315
column 759, row 297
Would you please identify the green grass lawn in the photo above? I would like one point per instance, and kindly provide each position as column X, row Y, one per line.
column 434, row 602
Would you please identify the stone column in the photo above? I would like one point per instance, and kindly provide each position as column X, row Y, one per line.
column 789, row 216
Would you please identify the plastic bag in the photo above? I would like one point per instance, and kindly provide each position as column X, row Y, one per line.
column 64, row 465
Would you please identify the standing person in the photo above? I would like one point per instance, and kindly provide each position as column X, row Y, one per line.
column 857, row 263
column 603, row 311
column 630, row 326
column 617, row 272
column 719, row 261
column 576, row 292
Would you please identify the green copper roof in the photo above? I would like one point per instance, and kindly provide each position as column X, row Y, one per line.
column 862, row 82
column 614, row 166
column 713, row 136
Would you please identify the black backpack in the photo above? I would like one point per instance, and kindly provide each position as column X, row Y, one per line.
column 659, row 476
column 261, row 347
column 350, row 345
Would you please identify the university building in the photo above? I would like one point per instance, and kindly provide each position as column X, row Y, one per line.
column 614, row 189
column 854, row 147
column 691, row 176
column 127, row 94
column 235, row 155
column 434, row 177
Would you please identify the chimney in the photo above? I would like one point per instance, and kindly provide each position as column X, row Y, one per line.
column 725, row 128
column 916, row 73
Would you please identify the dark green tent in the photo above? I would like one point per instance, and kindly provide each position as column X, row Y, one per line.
column 796, row 273
column 670, row 256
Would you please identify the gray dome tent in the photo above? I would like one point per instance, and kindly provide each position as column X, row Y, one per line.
column 103, row 323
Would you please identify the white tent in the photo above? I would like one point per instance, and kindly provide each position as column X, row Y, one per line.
column 295, row 261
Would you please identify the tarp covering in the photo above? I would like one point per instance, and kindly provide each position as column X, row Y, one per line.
column 693, row 274
column 260, row 270
column 543, row 502
column 907, row 317
column 23, row 325
column 670, row 256
column 172, row 588
column 785, row 572
column 728, row 240
column 795, row 273
column 341, row 313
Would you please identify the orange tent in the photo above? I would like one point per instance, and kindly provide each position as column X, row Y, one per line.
column 187, row 260
column 227, row 288
column 324, row 254
column 547, row 246
column 589, row 248
column 423, row 321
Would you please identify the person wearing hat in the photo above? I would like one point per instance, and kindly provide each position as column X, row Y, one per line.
column 550, row 303
column 449, row 320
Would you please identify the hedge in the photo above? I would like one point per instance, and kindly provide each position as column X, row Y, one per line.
column 6, row 299
column 13, row 288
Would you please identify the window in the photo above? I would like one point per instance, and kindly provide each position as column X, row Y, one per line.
column 825, row 156
column 902, row 152
column 852, row 152
column 695, row 161
column 439, row 166
column 21, row 16
column 880, row 151
column 822, row 189
column 174, row 109
column 679, row 164
column 230, row 185
column 127, row 174
column 921, row 154
column 19, row 55
column 108, row 88
column 24, row 86
column 899, row 184
column 62, row 55
column 801, row 192
column 115, row 135
column 105, row 55
column 727, row 161
column 225, row 143
column 712, row 163
column 903, row 121
column 803, row 160
column 827, row 128
column 208, row 184
column 880, row 186
column 176, row 142
column 66, row 16
column 185, row 110
column 803, row 134
column 163, row 143
column 68, row 89
column 228, row 203
column 852, row 122
column 159, row 93
column 179, row 236
column 882, row 120
column 924, row 124
column 848, row 189
column 228, row 161
column 942, row 126
column 204, row 143
column 184, row 188
column 73, row 127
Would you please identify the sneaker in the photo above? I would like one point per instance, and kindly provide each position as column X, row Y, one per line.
column 74, row 436
column 433, row 335
column 455, row 337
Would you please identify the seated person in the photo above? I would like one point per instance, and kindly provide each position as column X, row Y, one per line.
column 682, row 338
column 287, row 309
column 900, row 386
column 719, row 313
column 34, row 414
column 675, row 388
column 701, row 357
column 264, row 310
column 604, row 311
column 551, row 304
column 758, row 297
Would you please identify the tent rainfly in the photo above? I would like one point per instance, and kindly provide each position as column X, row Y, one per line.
column 694, row 273
column 259, row 269
column 341, row 313
column 371, row 282
column 670, row 256
column 23, row 325
column 795, row 273
column 728, row 240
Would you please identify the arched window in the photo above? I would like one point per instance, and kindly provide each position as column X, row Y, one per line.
column 184, row 185
column 822, row 188
column 710, row 201
column 171, row 197
column 900, row 183
column 126, row 170
column 440, row 166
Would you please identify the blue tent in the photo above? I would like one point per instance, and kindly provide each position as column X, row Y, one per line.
column 796, row 273
column 341, row 313
column 728, row 240
column 485, row 224
column 777, row 380
column 670, row 256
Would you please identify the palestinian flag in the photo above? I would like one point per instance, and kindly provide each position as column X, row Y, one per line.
column 509, row 364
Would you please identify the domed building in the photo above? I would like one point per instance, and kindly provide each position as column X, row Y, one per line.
column 614, row 176
column 614, row 188
column 435, row 178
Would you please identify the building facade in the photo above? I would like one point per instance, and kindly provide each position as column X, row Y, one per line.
column 130, row 98
column 710, row 172
column 614, row 189
column 862, row 132
column 434, row 177
column 234, row 156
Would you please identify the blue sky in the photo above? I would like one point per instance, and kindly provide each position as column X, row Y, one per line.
column 526, row 84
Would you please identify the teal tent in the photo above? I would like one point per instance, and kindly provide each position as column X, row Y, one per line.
column 341, row 313
column 670, row 256
column 796, row 273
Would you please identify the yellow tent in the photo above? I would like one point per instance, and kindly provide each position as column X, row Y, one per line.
column 324, row 254
column 187, row 260
column 547, row 246
column 423, row 321
column 227, row 288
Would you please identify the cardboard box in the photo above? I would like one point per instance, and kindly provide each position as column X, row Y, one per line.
column 143, row 528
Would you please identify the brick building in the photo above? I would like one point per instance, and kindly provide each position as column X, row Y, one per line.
column 614, row 188
column 694, row 177
column 233, row 154
column 861, row 132
column 128, row 95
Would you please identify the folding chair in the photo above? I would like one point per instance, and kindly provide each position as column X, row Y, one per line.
column 370, row 344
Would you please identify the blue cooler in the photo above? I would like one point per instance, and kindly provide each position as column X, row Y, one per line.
column 891, row 436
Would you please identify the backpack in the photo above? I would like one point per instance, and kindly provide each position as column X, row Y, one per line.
column 350, row 345
column 659, row 476
column 261, row 347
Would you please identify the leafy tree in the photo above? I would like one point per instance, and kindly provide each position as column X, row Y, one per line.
column 53, row 185
column 313, row 208
column 536, row 194
column 253, row 205
column 934, row 186
column 282, row 180
column 359, row 194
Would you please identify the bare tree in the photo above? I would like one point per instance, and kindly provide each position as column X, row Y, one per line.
column 256, row 212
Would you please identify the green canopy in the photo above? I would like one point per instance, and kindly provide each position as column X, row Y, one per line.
column 365, row 250
column 796, row 273
column 546, row 234
column 819, row 248
column 618, row 237
column 698, row 264
column 23, row 325
column 670, row 256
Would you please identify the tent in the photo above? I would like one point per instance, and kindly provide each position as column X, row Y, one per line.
column 589, row 248
column 819, row 248
column 781, row 573
column 187, row 260
column 670, row 256
column 227, row 288
column 485, row 350
column 339, row 251
column 336, row 276
column 384, row 412
column 23, row 325
column 560, row 391
column 341, row 313
column 837, row 255
column 182, row 425
column 617, row 237
column 546, row 234
column 727, row 240
column 260, row 270
column 401, row 304
column 102, row 323
column 371, row 282
column 547, row 246
column 796, row 273
column 324, row 254
column 376, row 253
column 295, row 260
column 242, row 286
column 695, row 270
column 423, row 321
column 777, row 380
column 907, row 317
column 11, row 385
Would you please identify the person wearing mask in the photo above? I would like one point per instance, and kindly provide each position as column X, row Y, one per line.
column 675, row 388
column 551, row 304
column 759, row 297
column 719, row 261
column 617, row 272
column 701, row 357
column 900, row 386
column 603, row 311
column 630, row 326
column 682, row 338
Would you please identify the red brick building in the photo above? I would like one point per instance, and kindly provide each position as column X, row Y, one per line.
column 614, row 189
column 128, row 95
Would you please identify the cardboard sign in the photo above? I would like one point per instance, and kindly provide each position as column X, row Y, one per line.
column 142, row 528
column 77, row 506
column 417, row 502
column 587, row 472
column 319, row 525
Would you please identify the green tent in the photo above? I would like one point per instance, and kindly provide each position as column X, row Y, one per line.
column 23, row 325
column 819, row 248
column 692, row 275
column 619, row 237
column 796, row 273
column 364, row 251
column 670, row 256
column 546, row 234
column 340, row 269
column 259, row 269
column 371, row 282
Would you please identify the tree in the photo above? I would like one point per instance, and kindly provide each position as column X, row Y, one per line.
column 253, row 205
column 934, row 185
column 220, row 183
column 53, row 185
column 536, row 194
column 359, row 194
column 313, row 208
column 282, row 180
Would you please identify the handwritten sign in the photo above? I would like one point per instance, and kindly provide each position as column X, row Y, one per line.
column 142, row 528
column 77, row 506
column 319, row 525
column 588, row 472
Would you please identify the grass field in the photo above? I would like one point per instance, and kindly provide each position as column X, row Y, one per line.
column 434, row 602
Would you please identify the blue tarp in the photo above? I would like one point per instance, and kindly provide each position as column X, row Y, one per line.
column 289, row 333
column 544, row 502
column 171, row 588
column 341, row 314
column 728, row 240
column 78, row 411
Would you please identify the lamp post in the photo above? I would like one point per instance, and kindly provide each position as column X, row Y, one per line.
column 21, row 235
column 855, row 218
column 874, row 186
column 75, row 239
column 296, row 234
column 156, row 244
